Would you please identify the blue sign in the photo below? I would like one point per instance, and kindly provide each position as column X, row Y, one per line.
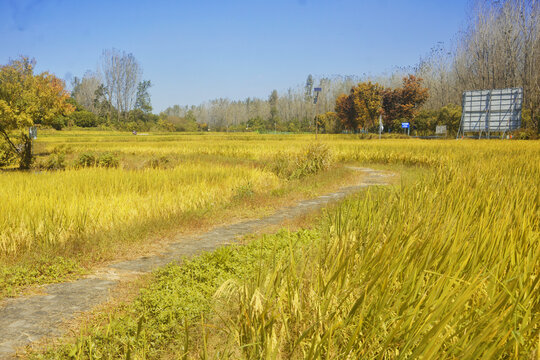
column 405, row 125
column 317, row 89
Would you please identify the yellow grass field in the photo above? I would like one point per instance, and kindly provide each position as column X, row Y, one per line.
column 445, row 267
column 55, row 220
column 444, row 264
column 50, row 208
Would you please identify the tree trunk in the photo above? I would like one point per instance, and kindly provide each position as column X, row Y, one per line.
column 25, row 160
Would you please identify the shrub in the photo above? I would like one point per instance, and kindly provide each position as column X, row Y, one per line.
column 84, row 118
column 108, row 160
column 62, row 148
column 525, row 134
column 157, row 162
column 87, row 159
column 56, row 161
column 244, row 191
column 165, row 125
column 58, row 123
column 315, row 158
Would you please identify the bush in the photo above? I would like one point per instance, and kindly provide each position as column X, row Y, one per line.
column 315, row 158
column 84, row 118
column 58, row 123
column 108, row 160
column 244, row 191
column 56, row 161
column 87, row 159
column 62, row 148
column 157, row 162
column 165, row 125
column 525, row 134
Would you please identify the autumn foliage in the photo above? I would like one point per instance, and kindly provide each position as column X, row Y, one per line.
column 405, row 102
column 366, row 101
column 329, row 122
column 27, row 99
column 361, row 108
column 346, row 112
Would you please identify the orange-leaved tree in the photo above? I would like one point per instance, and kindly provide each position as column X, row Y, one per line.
column 367, row 103
column 346, row 112
column 27, row 99
column 405, row 102
column 413, row 96
column 361, row 108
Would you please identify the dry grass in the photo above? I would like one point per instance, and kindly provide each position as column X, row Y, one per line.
column 55, row 225
column 443, row 267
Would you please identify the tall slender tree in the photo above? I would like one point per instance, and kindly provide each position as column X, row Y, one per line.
column 121, row 73
column 142, row 101
column 273, row 101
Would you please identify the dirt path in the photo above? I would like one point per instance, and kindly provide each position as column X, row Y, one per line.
column 28, row 319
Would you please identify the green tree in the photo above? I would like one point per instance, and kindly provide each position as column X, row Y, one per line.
column 273, row 100
column 142, row 101
column 102, row 106
column 27, row 99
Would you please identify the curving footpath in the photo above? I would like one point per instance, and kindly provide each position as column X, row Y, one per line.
column 28, row 319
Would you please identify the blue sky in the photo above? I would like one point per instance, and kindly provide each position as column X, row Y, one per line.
column 194, row 51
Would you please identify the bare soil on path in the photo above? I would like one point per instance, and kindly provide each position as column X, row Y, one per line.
column 28, row 319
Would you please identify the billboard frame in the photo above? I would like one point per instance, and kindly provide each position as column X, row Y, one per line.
column 491, row 111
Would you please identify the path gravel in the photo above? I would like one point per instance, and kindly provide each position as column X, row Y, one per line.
column 27, row 319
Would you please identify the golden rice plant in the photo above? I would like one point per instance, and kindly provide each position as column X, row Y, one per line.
column 444, row 265
column 48, row 209
column 443, row 268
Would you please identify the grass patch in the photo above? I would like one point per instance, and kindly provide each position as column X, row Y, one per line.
column 53, row 270
column 311, row 160
column 164, row 313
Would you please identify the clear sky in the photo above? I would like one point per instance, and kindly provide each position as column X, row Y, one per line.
column 197, row 50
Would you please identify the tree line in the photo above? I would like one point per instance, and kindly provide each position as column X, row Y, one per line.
column 293, row 110
column 499, row 48
column 115, row 95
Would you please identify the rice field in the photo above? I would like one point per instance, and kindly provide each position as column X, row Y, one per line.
column 444, row 265
column 52, row 208
column 55, row 208
column 445, row 268
column 109, row 192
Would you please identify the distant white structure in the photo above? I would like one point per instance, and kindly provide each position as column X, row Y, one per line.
column 440, row 130
column 488, row 111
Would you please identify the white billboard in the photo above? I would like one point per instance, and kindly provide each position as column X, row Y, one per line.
column 496, row 110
